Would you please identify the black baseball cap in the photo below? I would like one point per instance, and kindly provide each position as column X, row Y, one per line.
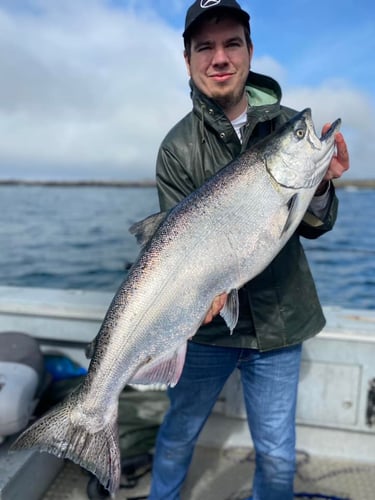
column 201, row 7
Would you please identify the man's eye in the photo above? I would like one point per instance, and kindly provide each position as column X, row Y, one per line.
column 203, row 48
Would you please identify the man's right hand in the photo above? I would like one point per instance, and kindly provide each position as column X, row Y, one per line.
column 216, row 306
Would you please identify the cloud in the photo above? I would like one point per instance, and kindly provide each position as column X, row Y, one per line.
column 88, row 90
column 267, row 65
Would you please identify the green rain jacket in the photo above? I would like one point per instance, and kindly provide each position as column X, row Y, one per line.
column 279, row 307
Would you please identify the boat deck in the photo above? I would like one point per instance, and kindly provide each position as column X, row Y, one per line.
column 335, row 413
column 226, row 475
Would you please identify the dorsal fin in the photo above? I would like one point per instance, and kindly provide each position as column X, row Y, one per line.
column 145, row 229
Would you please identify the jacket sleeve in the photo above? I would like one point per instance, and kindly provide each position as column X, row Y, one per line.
column 312, row 227
column 172, row 179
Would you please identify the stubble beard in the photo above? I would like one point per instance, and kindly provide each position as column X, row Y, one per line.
column 230, row 100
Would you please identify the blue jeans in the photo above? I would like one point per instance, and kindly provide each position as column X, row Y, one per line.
column 269, row 381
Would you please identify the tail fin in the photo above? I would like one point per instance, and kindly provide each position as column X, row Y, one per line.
column 97, row 452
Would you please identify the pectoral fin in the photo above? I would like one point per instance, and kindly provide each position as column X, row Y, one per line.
column 231, row 310
column 291, row 207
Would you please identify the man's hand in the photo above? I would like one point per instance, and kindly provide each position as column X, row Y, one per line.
column 216, row 306
column 339, row 163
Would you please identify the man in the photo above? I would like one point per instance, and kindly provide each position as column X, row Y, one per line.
column 232, row 110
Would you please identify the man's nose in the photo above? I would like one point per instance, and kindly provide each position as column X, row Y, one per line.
column 220, row 57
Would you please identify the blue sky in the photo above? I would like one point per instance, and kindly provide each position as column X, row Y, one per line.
column 89, row 88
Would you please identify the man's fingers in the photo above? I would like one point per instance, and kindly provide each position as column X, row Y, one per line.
column 217, row 305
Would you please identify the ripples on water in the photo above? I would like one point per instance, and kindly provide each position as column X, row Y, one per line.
column 343, row 261
column 70, row 237
column 77, row 237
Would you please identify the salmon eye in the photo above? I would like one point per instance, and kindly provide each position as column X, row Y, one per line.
column 300, row 133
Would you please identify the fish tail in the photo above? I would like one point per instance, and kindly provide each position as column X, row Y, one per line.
column 97, row 452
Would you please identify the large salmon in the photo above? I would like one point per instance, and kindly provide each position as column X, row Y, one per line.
column 213, row 241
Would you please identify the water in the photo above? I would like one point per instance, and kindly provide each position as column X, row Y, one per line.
column 343, row 260
column 59, row 237
column 76, row 237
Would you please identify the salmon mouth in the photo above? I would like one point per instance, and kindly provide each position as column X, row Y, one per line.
column 333, row 129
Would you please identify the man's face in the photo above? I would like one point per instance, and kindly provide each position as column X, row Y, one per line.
column 220, row 61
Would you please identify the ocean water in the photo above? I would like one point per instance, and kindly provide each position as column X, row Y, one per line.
column 77, row 237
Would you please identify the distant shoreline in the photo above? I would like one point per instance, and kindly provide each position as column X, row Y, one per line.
column 80, row 183
column 340, row 183
column 357, row 183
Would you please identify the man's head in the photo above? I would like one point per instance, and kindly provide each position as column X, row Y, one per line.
column 218, row 51
column 201, row 9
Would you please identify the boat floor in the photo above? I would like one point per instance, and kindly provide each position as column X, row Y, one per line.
column 226, row 475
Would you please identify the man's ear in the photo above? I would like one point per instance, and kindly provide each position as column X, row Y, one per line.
column 251, row 52
column 187, row 62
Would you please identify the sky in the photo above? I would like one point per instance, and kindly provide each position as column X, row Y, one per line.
column 89, row 88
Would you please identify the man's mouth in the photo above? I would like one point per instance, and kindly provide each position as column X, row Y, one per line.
column 221, row 77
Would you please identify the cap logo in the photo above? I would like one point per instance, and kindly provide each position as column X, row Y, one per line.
column 209, row 3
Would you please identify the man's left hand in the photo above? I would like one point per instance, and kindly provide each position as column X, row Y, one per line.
column 339, row 163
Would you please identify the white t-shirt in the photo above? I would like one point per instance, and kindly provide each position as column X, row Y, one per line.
column 239, row 122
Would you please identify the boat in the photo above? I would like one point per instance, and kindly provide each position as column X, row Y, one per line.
column 335, row 411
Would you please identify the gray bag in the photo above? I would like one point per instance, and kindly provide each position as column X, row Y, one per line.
column 21, row 372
